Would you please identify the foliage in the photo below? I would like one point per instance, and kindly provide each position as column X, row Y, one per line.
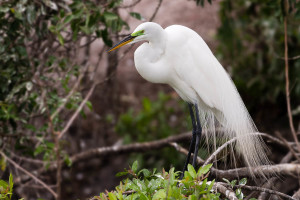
column 156, row 120
column 40, row 81
column 6, row 189
column 252, row 44
column 37, row 66
column 145, row 184
column 151, row 122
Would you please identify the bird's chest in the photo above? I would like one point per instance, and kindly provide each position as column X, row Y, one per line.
column 152, row 66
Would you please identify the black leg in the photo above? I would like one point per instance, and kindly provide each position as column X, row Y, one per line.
column 192, row 141
column 198, row 136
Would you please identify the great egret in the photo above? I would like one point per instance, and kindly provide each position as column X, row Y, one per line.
column 179, row 57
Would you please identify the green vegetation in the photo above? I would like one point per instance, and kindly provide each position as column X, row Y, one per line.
column 144, row 184
column 6, row 189
column 157, row 119
column 251, row 44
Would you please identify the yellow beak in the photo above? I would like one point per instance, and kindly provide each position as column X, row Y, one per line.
column 126, row 40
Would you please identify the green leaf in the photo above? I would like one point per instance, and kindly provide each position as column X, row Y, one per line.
column 60, row 39
column 136, row 15
column 233, row 183
column 160, row 194
column 68, row 19
column 192, row 171
column 3, row 184
column 226, row 180
column 145, row 172
column 89, row 105
column 68, row 161
column 112, row 196
column 204, row 169
column 243, row 181
column 11, row 182
column 211, row 185
column 109, row 16
column 134, row 166
column 121, row 174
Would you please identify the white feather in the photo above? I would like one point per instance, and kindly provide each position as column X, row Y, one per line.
column 178, row 56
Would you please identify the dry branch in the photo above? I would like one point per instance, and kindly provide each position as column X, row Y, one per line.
column 224, row 190
column 29, row 174
column 252, row 188
column 287, row 82
column 268, row 170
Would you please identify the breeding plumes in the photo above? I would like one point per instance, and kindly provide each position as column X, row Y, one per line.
column 179, row 57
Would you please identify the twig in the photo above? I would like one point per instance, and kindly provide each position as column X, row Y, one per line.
column 287, row 83
column 131, row 5
column 224, row 190
column 29, row 174
column 297, row 194
column 155, row 12
column 271, row 182
column 208, row 160
column 288, row 145
column 29, row 160
column 211, row 157
column 57, row 111
column 182, row 150
column 77, row 111
column 112, row 150
column 252, row 188
column 267, row 170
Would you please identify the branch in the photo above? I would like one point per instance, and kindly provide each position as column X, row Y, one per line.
column 57, row 111
column 224, row 190
column 274, row 139
column 252, row 188
column 268, row 170
column 287, row 85
column 113, row 150
column 155, row 12
column 77, row 111
column 29, row 174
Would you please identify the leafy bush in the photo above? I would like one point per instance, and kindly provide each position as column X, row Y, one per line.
column 165, row 185
column 156, row 120
column 145, row 184
column 251, row 43
column 6, row 189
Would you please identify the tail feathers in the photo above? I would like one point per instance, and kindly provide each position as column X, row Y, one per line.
column 236, row 124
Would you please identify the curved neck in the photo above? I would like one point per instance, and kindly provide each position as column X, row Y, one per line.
column 158, row 43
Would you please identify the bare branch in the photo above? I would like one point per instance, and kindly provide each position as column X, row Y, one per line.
column 77, row 111
column 252, row 188
column 131, row 5
column 224, row 190
column 155, row 12
column 287, row 85
column 268, row 170
column 57, row 111
column 29, row 174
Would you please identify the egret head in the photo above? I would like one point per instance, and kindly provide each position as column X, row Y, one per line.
column 144, row 32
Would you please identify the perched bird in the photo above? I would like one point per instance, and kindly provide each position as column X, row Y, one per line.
column 179, row 57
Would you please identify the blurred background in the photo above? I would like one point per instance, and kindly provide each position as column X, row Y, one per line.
column 62, row 94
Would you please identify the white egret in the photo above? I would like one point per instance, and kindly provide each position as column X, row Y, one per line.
column 179, row 57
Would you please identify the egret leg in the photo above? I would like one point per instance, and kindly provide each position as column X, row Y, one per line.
column 192, row 140
column 198, row 136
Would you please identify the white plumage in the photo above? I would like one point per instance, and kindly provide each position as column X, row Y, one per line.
column 179, row 57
